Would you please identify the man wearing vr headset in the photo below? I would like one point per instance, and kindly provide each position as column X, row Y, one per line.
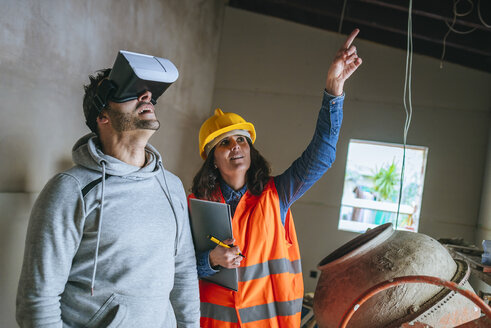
column 109, row 242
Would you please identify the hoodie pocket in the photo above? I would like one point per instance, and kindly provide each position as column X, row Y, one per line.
column 110, row 315
column 134, row 311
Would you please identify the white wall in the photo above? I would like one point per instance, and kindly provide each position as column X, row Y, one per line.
column 272, row 72
column 47, row 50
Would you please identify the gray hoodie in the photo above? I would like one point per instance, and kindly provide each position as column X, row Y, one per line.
column 120, row 236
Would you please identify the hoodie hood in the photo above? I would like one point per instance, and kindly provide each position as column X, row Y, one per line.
column 87, row 153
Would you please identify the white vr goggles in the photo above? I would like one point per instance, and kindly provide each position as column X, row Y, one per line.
column 131, row 75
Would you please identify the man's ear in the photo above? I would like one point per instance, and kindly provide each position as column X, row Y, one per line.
column 102, row 118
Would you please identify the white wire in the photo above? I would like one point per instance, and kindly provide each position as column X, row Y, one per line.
column 450, row 27
column 479, row 14
column 408, row 96
column 342, row 16
column 454, row 20
column 456, row 13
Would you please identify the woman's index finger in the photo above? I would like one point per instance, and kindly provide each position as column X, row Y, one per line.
column 350, row 38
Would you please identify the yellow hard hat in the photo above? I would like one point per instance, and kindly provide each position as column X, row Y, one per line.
column 219, row 124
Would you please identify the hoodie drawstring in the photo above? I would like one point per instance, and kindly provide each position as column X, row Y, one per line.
column 103, row 163
column 167, row 194
column 101, row 213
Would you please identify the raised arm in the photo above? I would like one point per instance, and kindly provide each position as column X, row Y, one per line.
column 321, row 151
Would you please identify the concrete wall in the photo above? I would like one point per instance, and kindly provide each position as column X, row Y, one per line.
column 47, row 50
column 272, row 72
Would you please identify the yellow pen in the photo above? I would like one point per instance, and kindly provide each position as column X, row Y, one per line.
column 221, row 243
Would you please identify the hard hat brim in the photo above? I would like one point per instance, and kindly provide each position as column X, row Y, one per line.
column 239, row 126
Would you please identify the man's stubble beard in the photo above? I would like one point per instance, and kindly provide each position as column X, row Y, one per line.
column 122, row 122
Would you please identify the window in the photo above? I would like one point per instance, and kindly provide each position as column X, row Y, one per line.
column 372, row 186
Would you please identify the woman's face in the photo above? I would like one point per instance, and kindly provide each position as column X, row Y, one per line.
column 233, row 156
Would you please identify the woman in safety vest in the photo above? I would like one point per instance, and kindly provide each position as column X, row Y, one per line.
column 270, row 288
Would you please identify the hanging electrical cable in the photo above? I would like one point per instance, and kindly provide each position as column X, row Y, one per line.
column 342, row 16
column 479, row 15
column 408, row 107
column 454, row 20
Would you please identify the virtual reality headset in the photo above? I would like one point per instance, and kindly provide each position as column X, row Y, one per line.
column 131, row 75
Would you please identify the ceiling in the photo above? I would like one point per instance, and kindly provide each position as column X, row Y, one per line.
column 385, row 22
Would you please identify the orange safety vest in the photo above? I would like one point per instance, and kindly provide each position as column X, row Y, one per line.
column 270, row 289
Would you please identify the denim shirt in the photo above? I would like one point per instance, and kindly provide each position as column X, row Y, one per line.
column 302, row 174
column 231, row 196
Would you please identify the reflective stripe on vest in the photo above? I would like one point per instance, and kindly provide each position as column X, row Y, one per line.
column 253, row 313
column 218, row 312
column 270, row 310
column 266, row 268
